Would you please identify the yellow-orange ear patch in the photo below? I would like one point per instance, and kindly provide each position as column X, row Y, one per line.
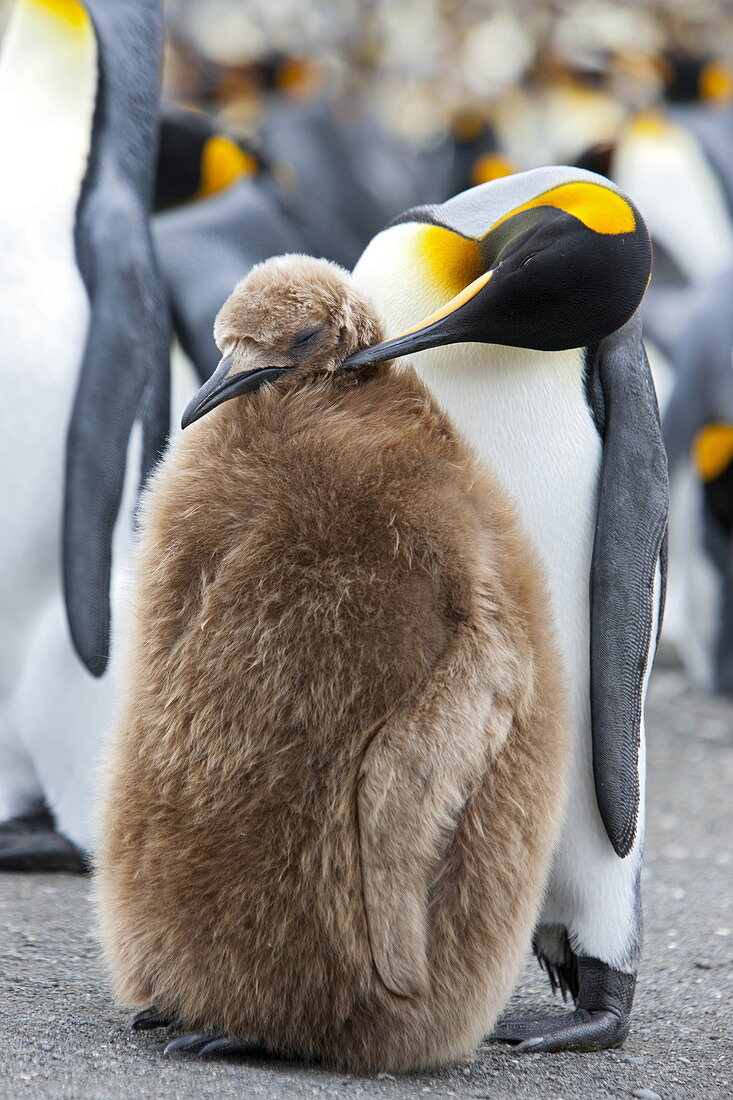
column 222, row 163
column 712, row 450
column 716, row 82
column 451, row 306
column 598, row 207
column 71, row 12
column 450, row 261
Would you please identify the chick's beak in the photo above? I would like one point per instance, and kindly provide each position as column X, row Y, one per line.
column 224, row 385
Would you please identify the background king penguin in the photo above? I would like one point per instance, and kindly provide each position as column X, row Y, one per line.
column 84, row 334
column 521, row 297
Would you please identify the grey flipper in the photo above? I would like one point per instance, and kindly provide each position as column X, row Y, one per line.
column 125, row 368
column 205, row 248
column 628, row 550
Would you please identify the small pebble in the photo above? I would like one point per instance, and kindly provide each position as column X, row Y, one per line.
column 703, row 964
column 646, row 1094
column 635, row 1059
column 386, row 1077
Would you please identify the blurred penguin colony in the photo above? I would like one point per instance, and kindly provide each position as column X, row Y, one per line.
column 304, row 126
column 343, row 113
column 357, row 109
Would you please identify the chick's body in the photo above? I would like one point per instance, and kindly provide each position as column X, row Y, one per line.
column 327, row 818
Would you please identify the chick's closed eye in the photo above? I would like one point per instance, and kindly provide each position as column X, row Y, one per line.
column 308, row 339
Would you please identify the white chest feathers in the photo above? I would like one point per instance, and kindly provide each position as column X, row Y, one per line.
column 526, row 415
column 48, row 84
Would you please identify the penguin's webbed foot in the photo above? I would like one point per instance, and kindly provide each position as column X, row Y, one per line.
column 600, row 1021
column 580, row 1030
column 149, row 1019
column 204, row 1043
column 30, row 842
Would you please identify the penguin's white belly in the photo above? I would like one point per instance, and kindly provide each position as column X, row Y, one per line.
column 48, row 83
column 526, row 415
column 531, row 426
column 44, row 315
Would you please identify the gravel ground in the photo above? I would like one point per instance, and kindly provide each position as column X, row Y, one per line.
column 61, row 1035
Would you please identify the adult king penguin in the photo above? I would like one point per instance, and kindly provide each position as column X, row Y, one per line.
column 84, row 336
column 521, row 297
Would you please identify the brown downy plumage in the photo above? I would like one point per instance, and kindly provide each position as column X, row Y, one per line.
column 337, row 772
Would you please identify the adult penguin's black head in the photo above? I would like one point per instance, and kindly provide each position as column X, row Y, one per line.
column 195, row 159
column 691, row 78
column 551, row 259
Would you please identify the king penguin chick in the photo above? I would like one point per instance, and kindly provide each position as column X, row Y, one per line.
column 327, row 818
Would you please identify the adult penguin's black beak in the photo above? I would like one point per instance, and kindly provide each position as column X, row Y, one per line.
column 450, row 324
column 223, row 385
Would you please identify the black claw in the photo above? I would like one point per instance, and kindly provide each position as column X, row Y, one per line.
column 605, row 997
column 148, row 1019
column 204, row 1043
column 224, row 1046
column 233, row 1046
column 190, row 1041
column 563, row 975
